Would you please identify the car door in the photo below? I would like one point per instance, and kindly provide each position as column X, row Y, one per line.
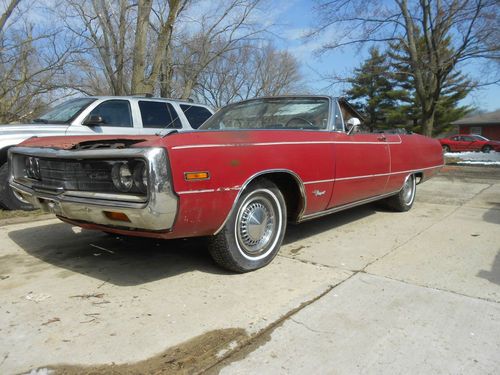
column 474, row 144
column 465, row 143
column 362, row 166
column 115, row 116
column 454, row 143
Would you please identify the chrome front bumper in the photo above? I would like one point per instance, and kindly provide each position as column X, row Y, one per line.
column 156, row 212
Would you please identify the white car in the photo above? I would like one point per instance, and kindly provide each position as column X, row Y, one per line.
column 98, row 115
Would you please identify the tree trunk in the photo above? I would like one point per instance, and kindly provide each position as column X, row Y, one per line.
column 428, row 115
column 138, row 85
column 167, row 75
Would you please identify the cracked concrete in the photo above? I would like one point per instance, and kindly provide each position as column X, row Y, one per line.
column 366, row 290
column 371, row 324
column 425, row 300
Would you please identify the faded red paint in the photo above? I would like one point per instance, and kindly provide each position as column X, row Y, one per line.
column 68, row 142
column 334, row 168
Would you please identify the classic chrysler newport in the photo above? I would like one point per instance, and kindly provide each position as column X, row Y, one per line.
column 238, row 180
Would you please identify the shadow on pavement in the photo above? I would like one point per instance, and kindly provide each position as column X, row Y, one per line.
column 127, row 261
column 494, row 274
column 122, row 261
column 325, row 223
column 493, row 214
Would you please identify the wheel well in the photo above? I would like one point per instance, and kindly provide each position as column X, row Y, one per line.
column 3, row 155
column 419, row 176
column 291, row 190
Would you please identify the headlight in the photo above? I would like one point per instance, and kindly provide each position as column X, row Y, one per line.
column 141, row 177
column 130, row 177
column 122, row 177
column 32, row 167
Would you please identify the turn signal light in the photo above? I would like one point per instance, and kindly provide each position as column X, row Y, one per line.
column 190, row 176
column 118, row 216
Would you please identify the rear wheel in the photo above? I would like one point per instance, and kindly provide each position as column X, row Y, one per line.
column 446, row 149
column 404, row 199
column 254, row 231
column 487, row 148
column 9, row 199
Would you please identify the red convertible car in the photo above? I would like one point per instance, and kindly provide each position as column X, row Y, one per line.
column 250, row 169
column 469, row 142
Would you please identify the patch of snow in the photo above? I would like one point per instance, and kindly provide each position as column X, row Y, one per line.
column 469, row 162
column 475, row 158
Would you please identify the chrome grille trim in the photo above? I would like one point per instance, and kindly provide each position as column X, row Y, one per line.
column 155, row 212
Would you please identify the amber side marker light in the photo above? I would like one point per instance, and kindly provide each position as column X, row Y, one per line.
column 118, row 216
column 196, row 176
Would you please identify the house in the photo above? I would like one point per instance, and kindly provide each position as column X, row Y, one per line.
column 485, row 124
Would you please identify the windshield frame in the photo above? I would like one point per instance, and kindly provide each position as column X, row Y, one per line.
column 87, row 101
column 229, row 107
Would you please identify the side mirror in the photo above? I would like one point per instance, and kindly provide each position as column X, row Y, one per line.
column 352, row 124
column 93, row 120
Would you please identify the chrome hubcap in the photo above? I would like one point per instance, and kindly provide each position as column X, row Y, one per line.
column 257, row 226
column 408, row 190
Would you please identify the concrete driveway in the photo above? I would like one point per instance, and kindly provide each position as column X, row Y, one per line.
column 362, row 291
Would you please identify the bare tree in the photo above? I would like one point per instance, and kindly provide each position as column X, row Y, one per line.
column 7, row 13
column 218, row 33
column 33, row 62
column 128, row 40
column 453, row 32
column 250, row 71
column 143, row 82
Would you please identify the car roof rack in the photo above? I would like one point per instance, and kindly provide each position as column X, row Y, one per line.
column 142, row 95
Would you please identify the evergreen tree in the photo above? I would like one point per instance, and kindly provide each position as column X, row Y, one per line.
column 372, row 91
column 454, row 88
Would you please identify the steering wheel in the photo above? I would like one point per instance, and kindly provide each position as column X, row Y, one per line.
column 307, row 122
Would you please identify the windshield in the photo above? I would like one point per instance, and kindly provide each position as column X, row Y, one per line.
column 65, row 112
column 272, row 113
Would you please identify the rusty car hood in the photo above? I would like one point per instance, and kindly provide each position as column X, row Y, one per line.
column 71, row 142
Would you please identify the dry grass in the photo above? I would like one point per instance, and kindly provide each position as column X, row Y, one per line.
column 4, row 214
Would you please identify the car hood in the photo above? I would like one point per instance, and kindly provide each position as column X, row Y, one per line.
column 32, row 129
column 72, row 142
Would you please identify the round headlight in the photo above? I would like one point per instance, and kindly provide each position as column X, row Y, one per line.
column 141, row 177
column 122, row 177
column 32, row 167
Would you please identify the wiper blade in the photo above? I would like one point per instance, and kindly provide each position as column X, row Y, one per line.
column 41, row 120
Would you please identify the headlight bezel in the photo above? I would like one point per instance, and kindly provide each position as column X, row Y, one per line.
column 130, row 176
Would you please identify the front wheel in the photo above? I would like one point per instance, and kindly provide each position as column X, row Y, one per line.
column 9, row 199
column 446, row 149
column 487, row 148
column 404, row 199
column 254, row 231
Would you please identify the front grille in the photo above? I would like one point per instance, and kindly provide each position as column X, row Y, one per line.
column 92, row 176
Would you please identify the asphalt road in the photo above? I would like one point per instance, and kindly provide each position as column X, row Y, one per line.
column 362, row 291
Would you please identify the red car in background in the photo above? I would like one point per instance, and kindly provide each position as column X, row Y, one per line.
column 468, row 142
